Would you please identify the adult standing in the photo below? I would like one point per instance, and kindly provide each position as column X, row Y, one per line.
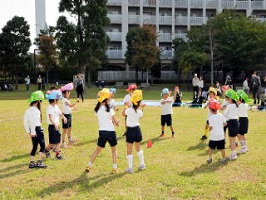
column 200, row 84
column 27, row 82
column 195, row 84
column 255, row 86
column 245, row 85
column 39, row 82
column 80, row 87
column 228, row 81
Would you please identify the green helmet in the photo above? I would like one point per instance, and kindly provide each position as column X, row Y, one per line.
column 231, row 94
column 36, row 96
column 243, row 95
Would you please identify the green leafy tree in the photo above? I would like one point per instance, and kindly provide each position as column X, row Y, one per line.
column 14, row 46
column 142, row 52
column 83, row 44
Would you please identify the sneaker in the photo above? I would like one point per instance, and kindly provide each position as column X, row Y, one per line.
column 63, row 145
column 40, row 164
column 223, row 161
column 204, row 137
column 71, row 141
column 114, row 171
column 59, row 157
column 209, row 161
column 88, row 169
column 233, row 157
column 129, row 170
column 142, row 167
column 47, row 153
column 32, row 164
column 162, row 135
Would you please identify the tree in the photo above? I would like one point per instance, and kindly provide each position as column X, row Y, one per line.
column 83, row 44
column 14, row 45
column 142, row 50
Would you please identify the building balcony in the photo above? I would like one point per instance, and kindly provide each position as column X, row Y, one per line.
column 212, row 4
column 242, row 5
column 114, row 2
column 181, row 20
column 165, row 37
column 149, row 3
column 261, row 19
column 114, row 54
column 197, row 21
column 181, row 3
column 196, row 4
column 133, row 19
column 167, row 20
column 166, row 54
column 257, row 5
column 115, row 36
column 147, row 19
column 133, row 2
column 166, row 3
column 228, row 4
column 115, row 19
column 182, row 36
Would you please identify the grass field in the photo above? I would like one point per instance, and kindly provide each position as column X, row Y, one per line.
column 176, row 168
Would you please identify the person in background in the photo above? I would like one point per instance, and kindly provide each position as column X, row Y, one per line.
column 228, row 81
column 255, row 86
column 27, row 82
column 39, row 82
column 245, row 86
column 80, row 87
column 195, row 84
column 177, row 97
column 200, row 84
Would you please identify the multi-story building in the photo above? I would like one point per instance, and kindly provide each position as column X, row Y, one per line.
column 172, row 18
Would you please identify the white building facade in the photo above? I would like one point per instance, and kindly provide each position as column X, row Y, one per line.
column 172, row 18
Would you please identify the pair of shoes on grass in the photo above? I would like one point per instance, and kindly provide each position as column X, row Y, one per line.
column 38, row 164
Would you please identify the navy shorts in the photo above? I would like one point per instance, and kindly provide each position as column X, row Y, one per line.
column 243, row 125
column 232, row 125
column 54, row 135
column 107, row 136
column 220, row 144
column 133, row 134
column 166, row 119
column 69, row 120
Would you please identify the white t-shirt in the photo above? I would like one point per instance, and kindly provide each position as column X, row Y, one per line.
column 167, row 107
column 105, row 119
column 216, row 121
column 231, row 111
column 201, row 83
column 126, row 98
column 55, row 112
column 66, row 109
column 112, row 103
column 243, row 110
column 32, row 118
column 133, row 116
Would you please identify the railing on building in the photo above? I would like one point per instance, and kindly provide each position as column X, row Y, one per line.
column 228, row 4
column 115, row 19
column 147, row 19
column 212, row 4
column 133, row 19
column 181, row 3
column 114, row 54
column 183, row 36
column 242, row 5
column 256, row 4
column 165, row 37
column 181, row 20
column 197, row 21
column 115, row 36
column 133, row 2
column 166, row 20
column 149, row 3
column 196, row 4
column 114, row 2
column 166, row 3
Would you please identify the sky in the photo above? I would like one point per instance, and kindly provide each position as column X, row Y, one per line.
column 26, row 9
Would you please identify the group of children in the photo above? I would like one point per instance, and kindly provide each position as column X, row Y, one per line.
column 33, row 121
column 234, row 118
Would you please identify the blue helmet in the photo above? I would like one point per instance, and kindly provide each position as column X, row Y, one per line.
column 112, row 90
column 54, row 94
column 165, row 91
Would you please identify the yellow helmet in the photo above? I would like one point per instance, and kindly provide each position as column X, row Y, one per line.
column 103, row 94
column 212, row 89
column 136, row 97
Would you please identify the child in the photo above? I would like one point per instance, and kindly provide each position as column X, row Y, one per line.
column 32, row 124
column 112, row 100
column 67, row 109
column 216, row 123
column 106, row 121
column 167, row 111
column 130, row 89
column 211, row 97
column 133, row 133
column 231, row 114
column 53, row 113
column 243, row 120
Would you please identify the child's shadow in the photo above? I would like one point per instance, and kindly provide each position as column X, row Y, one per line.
column 204, row 168
column 200, row 146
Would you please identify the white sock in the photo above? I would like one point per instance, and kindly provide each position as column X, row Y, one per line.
column 114, row 166
column 141, row 157
column 130, row 161
column 90, row 164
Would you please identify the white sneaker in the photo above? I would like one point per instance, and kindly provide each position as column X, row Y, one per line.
column 129, row 170
column 142, row 167
column 242, row 150
column 233, row 157
column 63, row 145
